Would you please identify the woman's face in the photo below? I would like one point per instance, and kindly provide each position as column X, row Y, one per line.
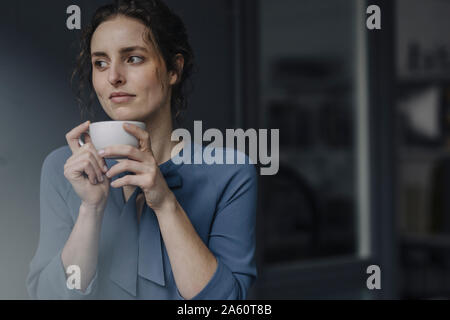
column 125, row 71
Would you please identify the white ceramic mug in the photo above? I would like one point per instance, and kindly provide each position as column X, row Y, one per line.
column 108, row 133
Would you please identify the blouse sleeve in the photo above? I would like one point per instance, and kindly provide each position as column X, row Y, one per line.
column 232, row 238
column 47, row 277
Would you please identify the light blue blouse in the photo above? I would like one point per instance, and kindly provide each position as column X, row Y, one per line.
column 219, row 199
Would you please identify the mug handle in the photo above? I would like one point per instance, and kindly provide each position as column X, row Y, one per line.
column 80, row 140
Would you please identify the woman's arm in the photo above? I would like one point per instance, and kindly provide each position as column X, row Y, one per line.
column 193, row 264
column 81, row 249
column 226, row 268
column 47, row 278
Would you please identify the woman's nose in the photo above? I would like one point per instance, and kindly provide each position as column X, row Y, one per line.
column 116, row 75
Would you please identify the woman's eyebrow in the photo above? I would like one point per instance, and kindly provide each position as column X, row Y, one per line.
column 122, row 51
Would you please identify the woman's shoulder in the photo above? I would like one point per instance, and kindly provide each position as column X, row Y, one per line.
column 53, row 165
column 233, row 175
column 224, row 165
column 58, row 156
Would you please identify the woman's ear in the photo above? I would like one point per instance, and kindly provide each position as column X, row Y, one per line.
column 175, row 75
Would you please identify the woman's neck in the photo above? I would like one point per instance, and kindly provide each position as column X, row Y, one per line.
column 160, row 128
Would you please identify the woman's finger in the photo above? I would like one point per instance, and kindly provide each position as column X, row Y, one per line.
column 142, row 136
column 100, row 160
column 73, row 136
column 87, row 155
column 85, row 166
column 87, row 152
column 128, row 180
column 124, row 151
column 94, row 163
column 127, row 165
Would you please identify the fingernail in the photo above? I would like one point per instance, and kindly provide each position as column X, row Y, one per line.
column 101, row 179
column 95, row 181
column 105, row 168
column 101, row 152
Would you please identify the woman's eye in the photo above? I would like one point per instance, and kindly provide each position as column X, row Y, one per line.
column 135, row 59
column 100, row 64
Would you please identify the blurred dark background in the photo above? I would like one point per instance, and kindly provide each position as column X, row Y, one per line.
column 364, row 119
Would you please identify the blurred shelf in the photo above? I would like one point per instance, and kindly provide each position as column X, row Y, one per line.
column 421, row 80
column 421, row 154
column 426, row 240
column 308, row 153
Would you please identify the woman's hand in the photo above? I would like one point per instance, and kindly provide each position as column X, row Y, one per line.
column 85, row 169
column 141, row 161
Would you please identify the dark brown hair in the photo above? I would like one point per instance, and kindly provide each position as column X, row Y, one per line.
column 166, row 32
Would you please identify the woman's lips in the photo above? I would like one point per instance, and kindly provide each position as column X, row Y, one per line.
column 122, row 99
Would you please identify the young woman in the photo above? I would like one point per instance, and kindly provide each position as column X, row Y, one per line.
column 145, row 227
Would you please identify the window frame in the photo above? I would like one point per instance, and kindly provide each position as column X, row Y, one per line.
column 343, row 276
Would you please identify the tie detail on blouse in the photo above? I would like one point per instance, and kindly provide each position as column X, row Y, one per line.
column 136, row 243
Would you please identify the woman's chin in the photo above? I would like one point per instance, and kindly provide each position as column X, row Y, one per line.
column 125, row 116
